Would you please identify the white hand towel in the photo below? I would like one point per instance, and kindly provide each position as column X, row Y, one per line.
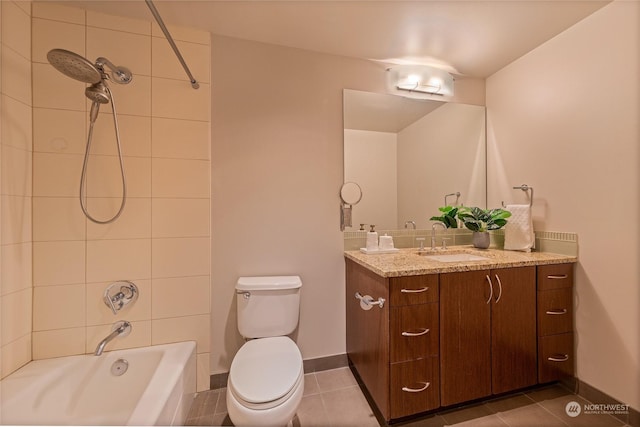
column 518, row 233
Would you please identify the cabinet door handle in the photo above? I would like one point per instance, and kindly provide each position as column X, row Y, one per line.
column 557, row 276
column 415, row 334
column 557, row 311
column 500, row 286
column 558, row 358
column 490, row 289
column 416, row 390
column 414, row 291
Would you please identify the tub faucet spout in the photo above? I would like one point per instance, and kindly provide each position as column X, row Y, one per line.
column 121, row 328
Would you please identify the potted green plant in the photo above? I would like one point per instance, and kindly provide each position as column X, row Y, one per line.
column 448, row 217
column 481, row 221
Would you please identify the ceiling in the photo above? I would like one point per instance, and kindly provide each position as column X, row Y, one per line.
column 472, row 38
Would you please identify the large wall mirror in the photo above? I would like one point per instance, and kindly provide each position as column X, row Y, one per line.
column 407, row 154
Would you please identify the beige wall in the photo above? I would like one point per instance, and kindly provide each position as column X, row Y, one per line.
column 161, row 242
column 564, row 119
column 15, row 212
column 371, row 157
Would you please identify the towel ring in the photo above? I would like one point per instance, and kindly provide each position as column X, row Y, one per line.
column 526, row 188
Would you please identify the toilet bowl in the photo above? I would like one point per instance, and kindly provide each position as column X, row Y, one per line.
column 266, row 378
column 266, row 383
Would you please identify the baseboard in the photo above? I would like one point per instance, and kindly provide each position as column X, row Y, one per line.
column 217, row 381
column 598, row 397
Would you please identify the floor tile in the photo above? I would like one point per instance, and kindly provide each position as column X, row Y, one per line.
column 335, row 379
column 558, row 407
column 486, row 421
column 548, row 392
column 311, row 413
column 221, row 406
column 310, row 385
column 533, row 415
column 430, row 421
column 221, row 420
column 348, row 407
column 508, row 403
column 466, row 413
column 204, row 404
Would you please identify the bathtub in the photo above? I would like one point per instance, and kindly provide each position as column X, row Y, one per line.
column 157, row 388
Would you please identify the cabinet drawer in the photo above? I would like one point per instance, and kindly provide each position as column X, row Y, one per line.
column 414, row 332
column 415, row 387
column 413, row 289
column 555, row 357
column 555, row 276
column 555, row 311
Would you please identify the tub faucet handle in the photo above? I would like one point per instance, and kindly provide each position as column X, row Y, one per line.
column 119, row 294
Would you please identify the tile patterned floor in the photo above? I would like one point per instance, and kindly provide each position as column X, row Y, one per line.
column 333, row 399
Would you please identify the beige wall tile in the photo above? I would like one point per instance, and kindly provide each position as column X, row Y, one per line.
column 58, row 218
column 180, row 257
column 25, row 6
column 16, row 354
column 181, row 296
column 16, row 124
column 183, row 33
column 59, row 13
column 180, row 139
column 99, row 314
column 175, row 99
column 52, row 89
column 16, row 25
column 16, row 171
column 135, row 135
column 104, row 178
column 109, row 260
column 49, row 35
column 59, row 131
column 133, row 223
column 58, row 342
column 140, row 337
column 180, row 217
column 16, row 76
column 133, row 98
column 56, row 175
column 177, row 329
column 180, row 178
column 203, row 381
column 118, row 23
column 16, row 267
column 110, row 44
column 58, row 307
column 16, row 315
column 57, row 263
column 15, row 219
column 166, row 64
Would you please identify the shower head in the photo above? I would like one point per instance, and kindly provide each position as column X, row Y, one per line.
column 119, row 74
column 98, row 93
column 73, row 65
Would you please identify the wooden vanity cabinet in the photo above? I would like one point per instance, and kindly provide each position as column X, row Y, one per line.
column 555, row 322
column 488, row 333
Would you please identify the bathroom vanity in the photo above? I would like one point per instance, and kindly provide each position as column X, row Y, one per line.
column 424, row 334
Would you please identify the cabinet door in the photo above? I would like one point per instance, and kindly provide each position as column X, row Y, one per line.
column 555, row 311
column 368, row 333
column 465, row 336
column 513, row 329
column 414, row 387
column 414, row 332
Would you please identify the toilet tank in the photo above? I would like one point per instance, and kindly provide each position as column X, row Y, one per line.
column 268, row 306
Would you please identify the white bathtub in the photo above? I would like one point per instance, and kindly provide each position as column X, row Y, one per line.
column 157, row 389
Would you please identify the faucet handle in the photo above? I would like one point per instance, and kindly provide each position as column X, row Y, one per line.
column 421, row 240
column 127, row 293
column 444, row 242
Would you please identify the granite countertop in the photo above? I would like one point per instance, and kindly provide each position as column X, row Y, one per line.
column 407, row 262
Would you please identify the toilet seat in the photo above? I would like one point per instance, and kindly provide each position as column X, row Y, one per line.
column 266, row 372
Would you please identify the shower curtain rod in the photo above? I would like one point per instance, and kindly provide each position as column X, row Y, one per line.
column 156, row 15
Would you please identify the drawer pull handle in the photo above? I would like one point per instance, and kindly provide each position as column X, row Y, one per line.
column 557, row 311
column 414, row 291
column 557, row 276
column 490, row 288
column 416, row 390
column 415, row 334
column 558, row 358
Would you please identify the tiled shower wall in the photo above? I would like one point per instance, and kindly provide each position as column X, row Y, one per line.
column 162, row 240
column 15, row 212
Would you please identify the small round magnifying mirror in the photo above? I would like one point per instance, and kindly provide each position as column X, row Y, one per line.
column 350, row 193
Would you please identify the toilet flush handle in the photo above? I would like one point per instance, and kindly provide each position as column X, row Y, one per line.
column 246, row 294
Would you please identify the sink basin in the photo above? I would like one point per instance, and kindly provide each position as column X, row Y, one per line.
column 456, row 257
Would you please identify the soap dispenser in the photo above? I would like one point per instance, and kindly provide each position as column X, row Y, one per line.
column 372, row 239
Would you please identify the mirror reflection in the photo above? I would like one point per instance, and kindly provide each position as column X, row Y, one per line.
column 408, row 154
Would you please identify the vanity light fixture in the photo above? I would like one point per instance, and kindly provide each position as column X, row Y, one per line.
column 421, row 78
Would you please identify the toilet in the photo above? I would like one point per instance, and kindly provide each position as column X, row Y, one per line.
column 266, row 379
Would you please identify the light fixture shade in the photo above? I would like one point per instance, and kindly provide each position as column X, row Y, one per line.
column 421, row 79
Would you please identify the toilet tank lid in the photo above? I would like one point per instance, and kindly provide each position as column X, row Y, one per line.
column 268, row 283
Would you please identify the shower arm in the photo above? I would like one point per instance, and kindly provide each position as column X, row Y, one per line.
column 156, row 15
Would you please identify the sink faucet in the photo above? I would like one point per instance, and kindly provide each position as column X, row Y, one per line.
column 412, row 223
column 124, row 328
column 433, row 233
